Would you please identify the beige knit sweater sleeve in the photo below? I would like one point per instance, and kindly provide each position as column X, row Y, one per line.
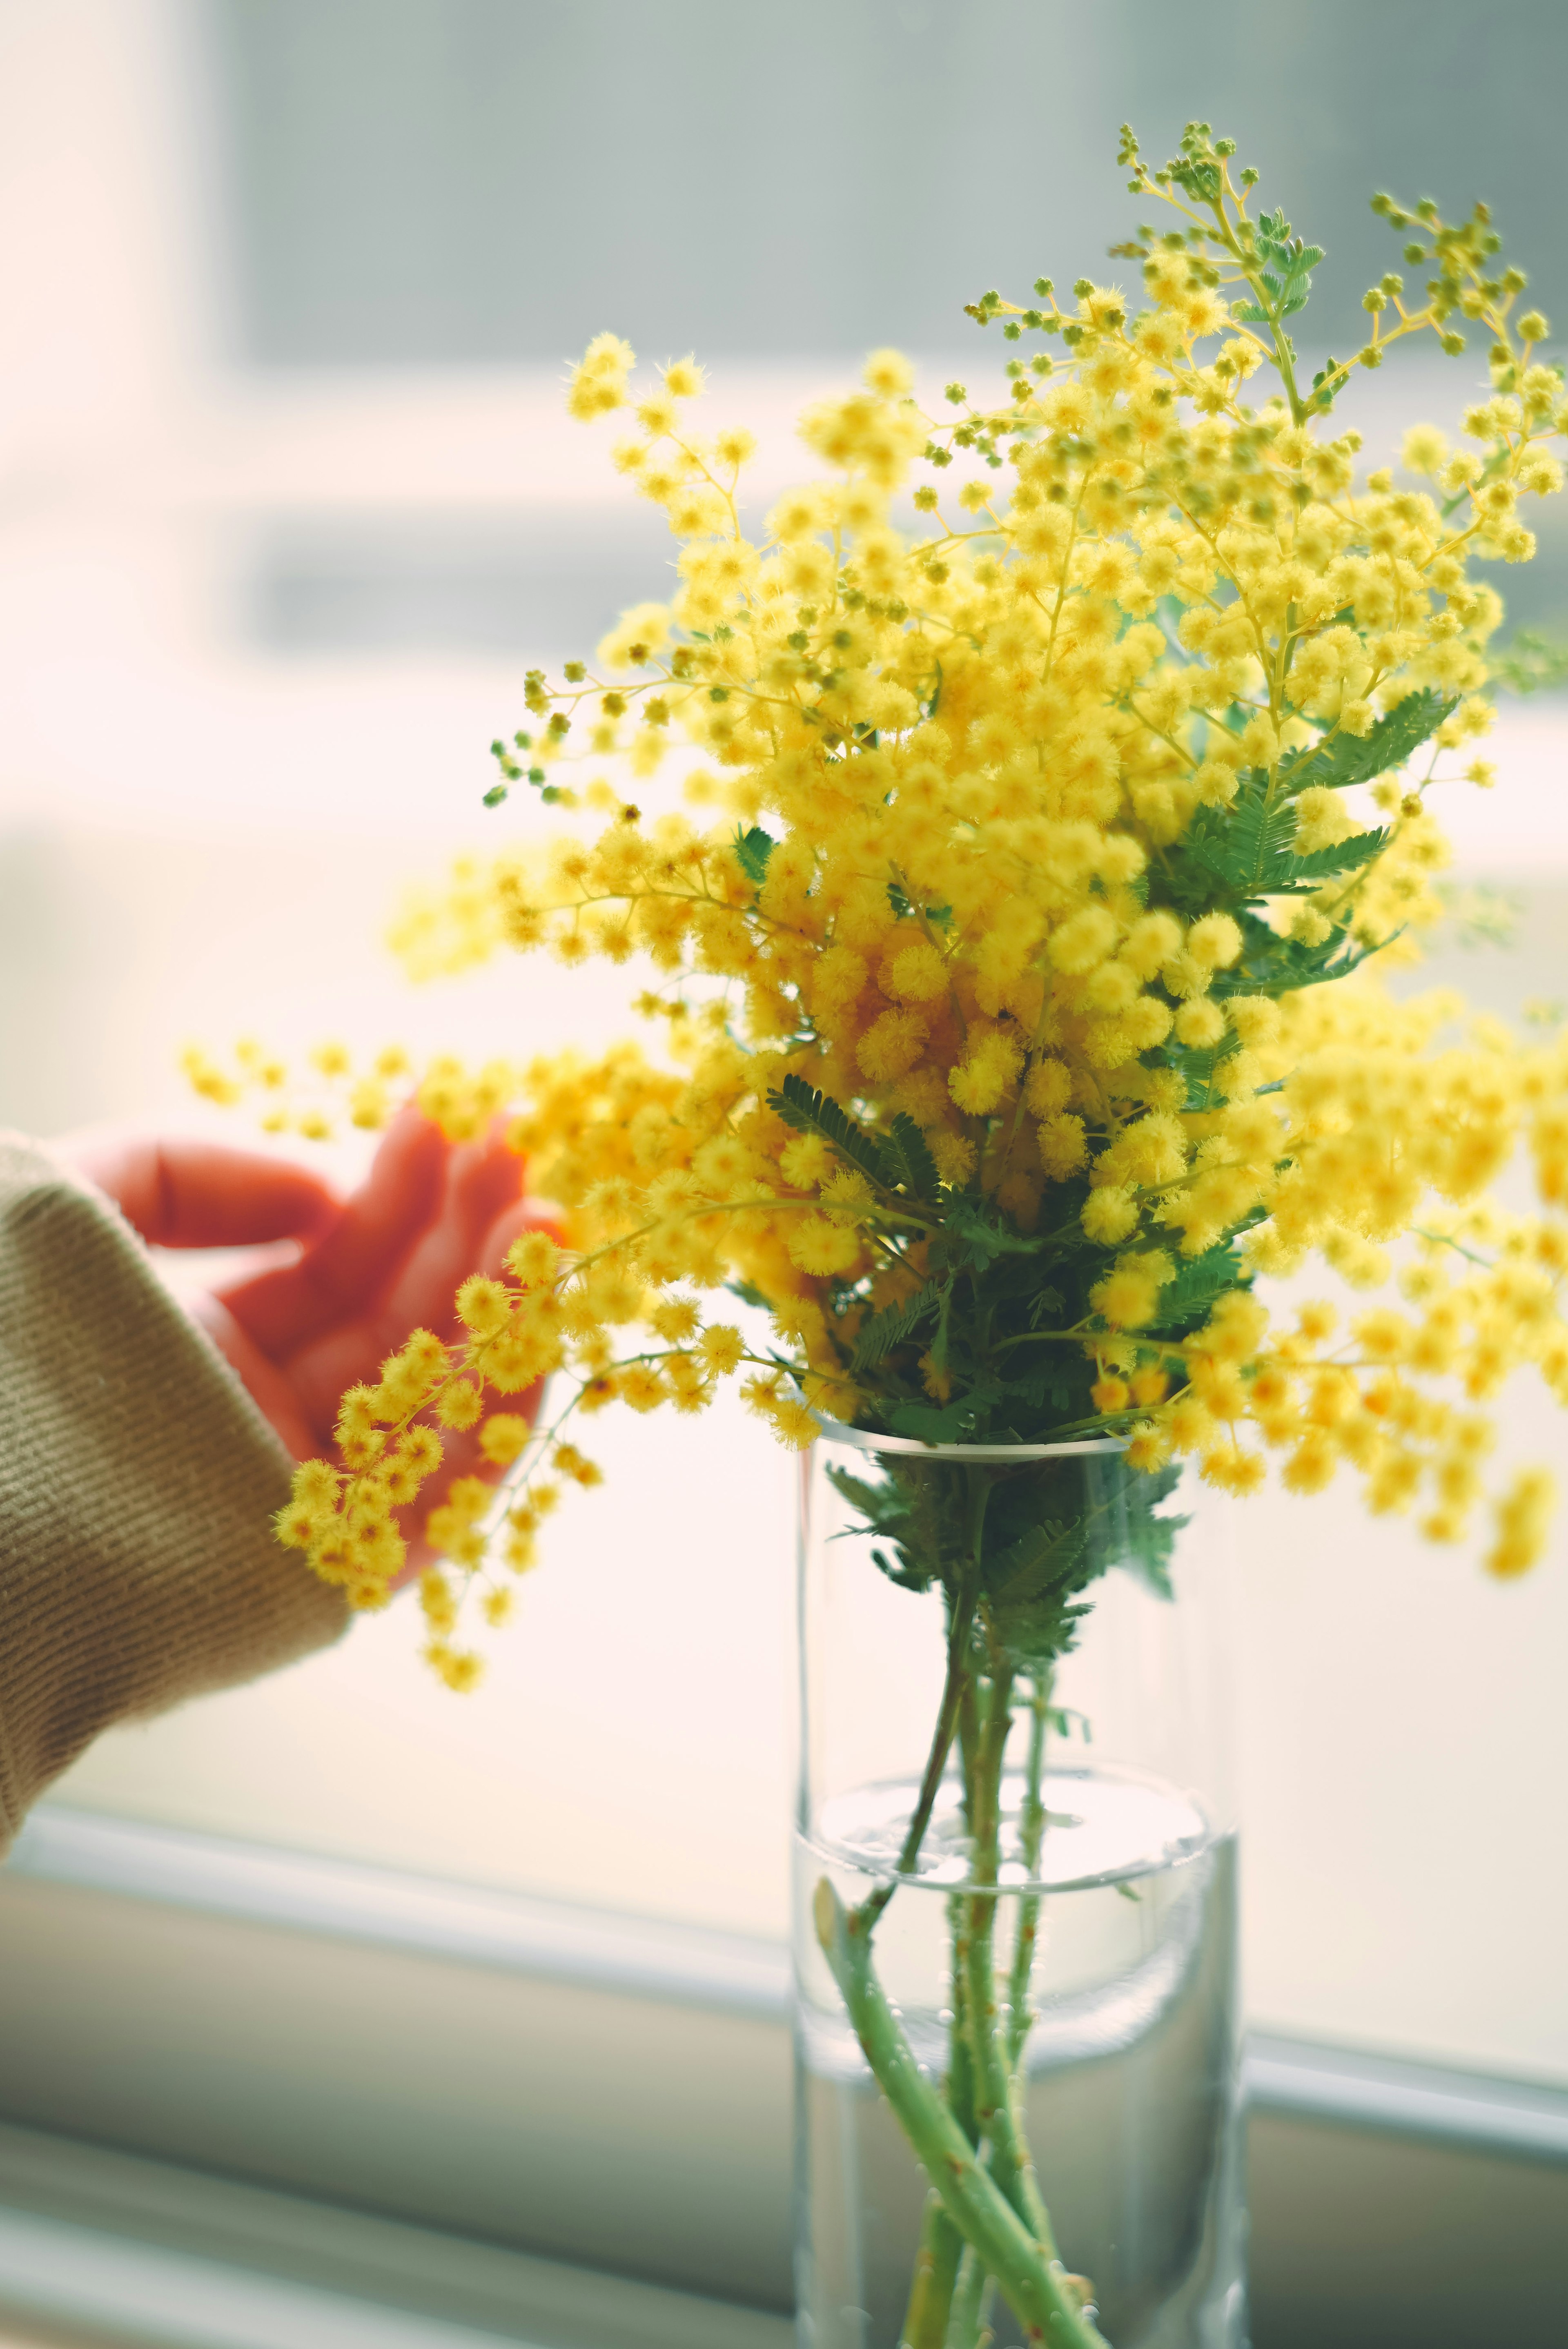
column 136, row 1566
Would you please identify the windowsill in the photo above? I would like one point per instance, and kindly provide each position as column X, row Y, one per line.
column 518, row 2097
column 151, row 2253
column 723, row 1974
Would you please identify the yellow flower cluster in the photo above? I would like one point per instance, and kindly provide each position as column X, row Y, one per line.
column 390, row 1444
column 1053, row 810
column 312, row 1106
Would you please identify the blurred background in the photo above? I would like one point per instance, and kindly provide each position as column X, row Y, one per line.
column 288, row 502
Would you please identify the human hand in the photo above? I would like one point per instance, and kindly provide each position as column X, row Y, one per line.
column 371, row 1269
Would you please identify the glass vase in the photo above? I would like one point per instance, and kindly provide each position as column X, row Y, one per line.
column 1015, row 1905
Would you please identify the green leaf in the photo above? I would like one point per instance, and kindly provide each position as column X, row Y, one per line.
column 1276, row 965
column 910, row 1572
column 752, row 851
column 1147, row 1538
column 1201, row 1281
column 1197, row 1064
column 976, row 1235
column 1532, row 663
column 805, row 1108
column 1044, row 1556
column 888, row 1509
column 891, row 1326
column 938, row 916
column 948, row 1422
column 931, row 1423
column 1256, row 840
column 938, row 1347
column 1482, row 915
column 1241, row 844
column 1321, row 863
column 1357, row 758
column 1248, row 847
column 912, row 1162
column 884, row 1507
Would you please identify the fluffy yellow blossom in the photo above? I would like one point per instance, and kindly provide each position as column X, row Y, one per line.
column 1015, row 931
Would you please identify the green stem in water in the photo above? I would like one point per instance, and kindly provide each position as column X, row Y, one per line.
column 1033, row 1835
column 961, row 2055
column 969, row 2305
column 1011, row 2164
column 936, row 2270
column 959, row 1626
column 1035, row 2285
column 925, row 2323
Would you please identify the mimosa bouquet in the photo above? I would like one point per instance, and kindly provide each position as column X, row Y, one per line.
column 1017, row 963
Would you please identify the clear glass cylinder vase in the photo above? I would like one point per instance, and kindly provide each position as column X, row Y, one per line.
column 1016, row 1905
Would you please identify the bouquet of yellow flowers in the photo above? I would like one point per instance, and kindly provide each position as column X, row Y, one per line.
column 1025, row 1003
column 1017, row 961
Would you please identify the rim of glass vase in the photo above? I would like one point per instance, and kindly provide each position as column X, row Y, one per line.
column 838, row 1431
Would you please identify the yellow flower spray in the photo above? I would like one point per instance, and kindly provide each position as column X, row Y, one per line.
column 1064, row 841
column 1020, row 923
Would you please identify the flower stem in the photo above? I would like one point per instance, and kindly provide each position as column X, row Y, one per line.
column 936, row 2268
column 959, row 1626
column 1032, row 1834
column 971, row 2306
column 926, row 2320
column 1034, row 2283
column 996, row 2111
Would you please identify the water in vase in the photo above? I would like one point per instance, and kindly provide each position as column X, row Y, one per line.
column 1129, row 2069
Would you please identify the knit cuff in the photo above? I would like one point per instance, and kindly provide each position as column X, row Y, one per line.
column 138, row 1566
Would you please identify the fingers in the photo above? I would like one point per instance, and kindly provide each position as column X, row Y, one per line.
column 269, row 1389
column 362, row 1253
column 483, row 1183
column 195, row 1194
column 327, row 1374
column 520, row 1215
column 480, row 1187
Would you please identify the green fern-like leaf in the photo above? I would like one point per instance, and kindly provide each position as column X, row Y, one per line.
column 1275, row 965
column 752, row 851
column 1321, row 863
column 1530, row 663
column 1247, row 841
column 1199, row 1285
column 1357, row 758
column 1045, row 1555
column 905, row 1149
column 1149, row 1539
column 949, row 1422
column 805, row 1108
column 1248, row 848
column 1259, row 840
column 891, row 1326
column 975, row 1233
column 884, row 1507
column 1199, row 1064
